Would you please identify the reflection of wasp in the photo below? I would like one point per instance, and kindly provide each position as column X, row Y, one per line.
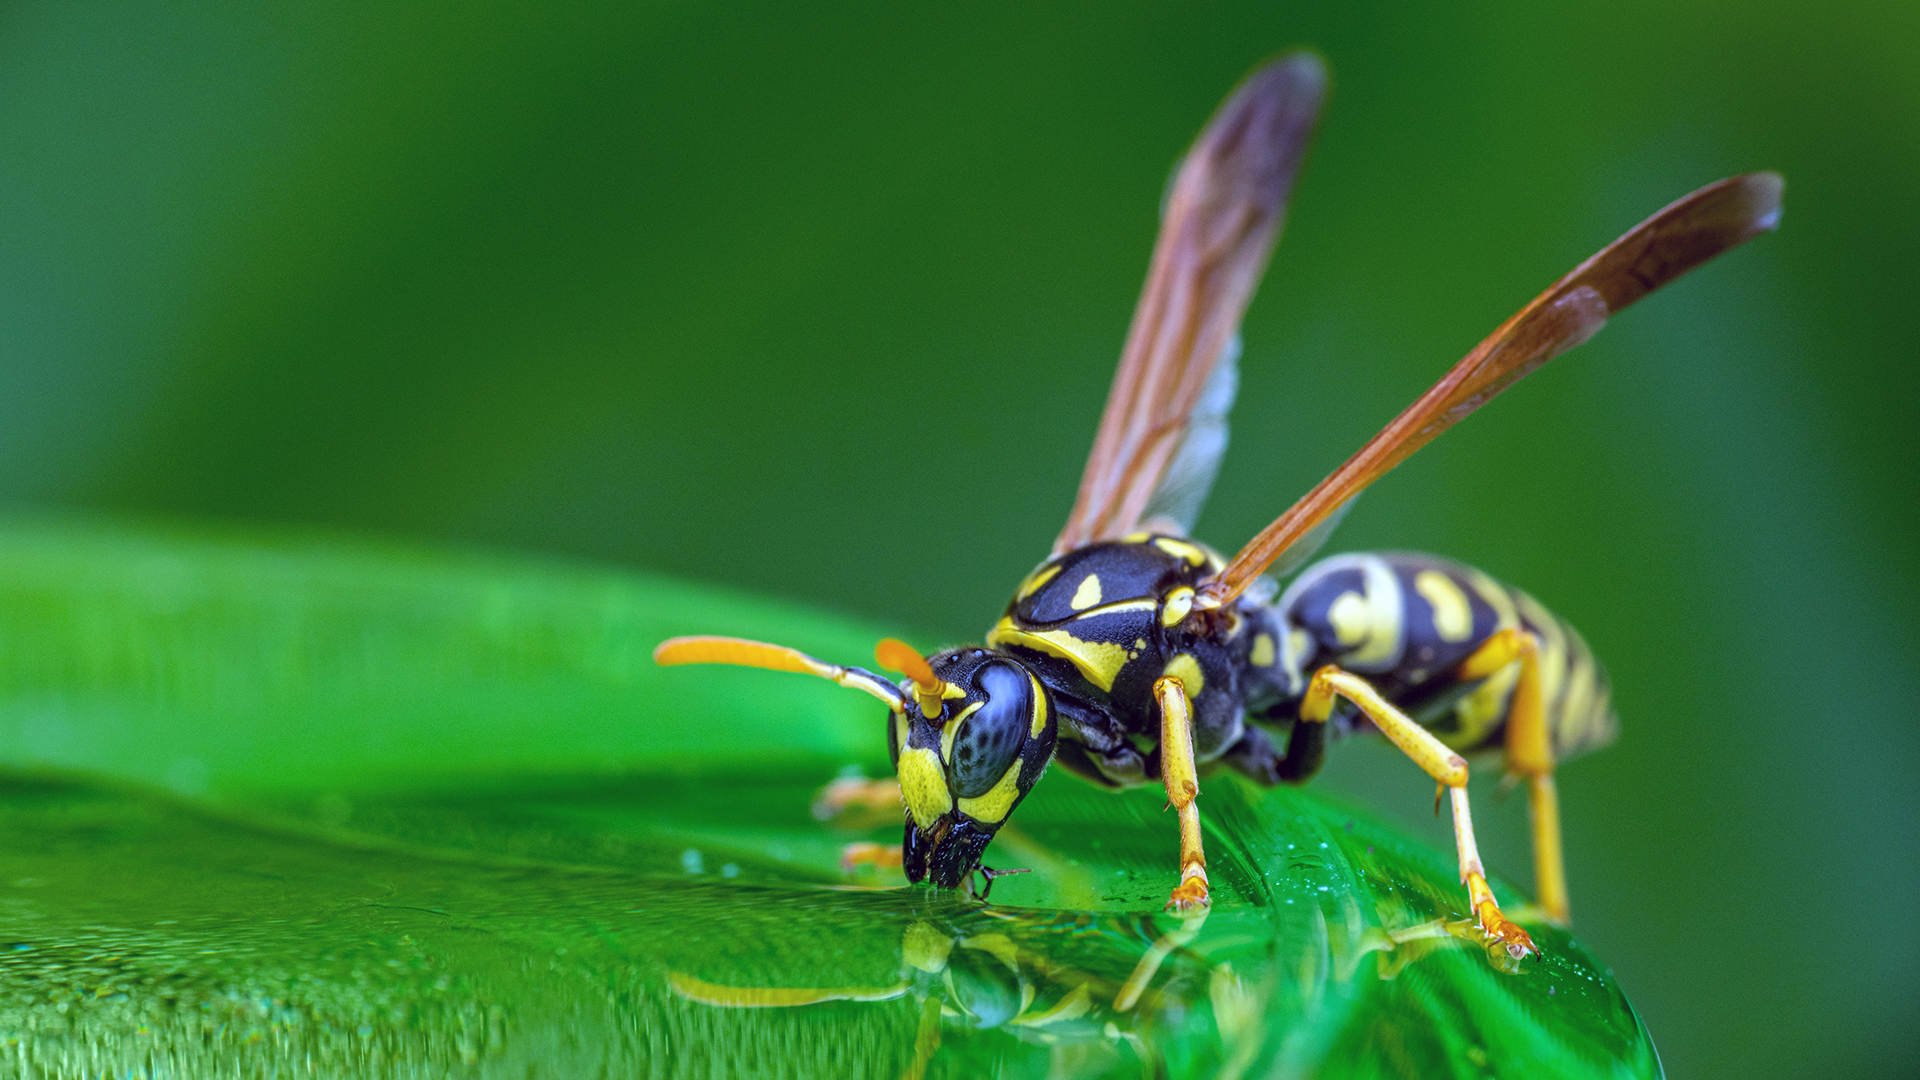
column 1013, row 976
column 1088, row 986
column 1133, row 655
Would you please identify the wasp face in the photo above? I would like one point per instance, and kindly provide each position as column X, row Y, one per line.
column 964, row 769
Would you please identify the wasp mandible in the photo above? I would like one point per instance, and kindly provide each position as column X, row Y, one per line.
column 1134, row 655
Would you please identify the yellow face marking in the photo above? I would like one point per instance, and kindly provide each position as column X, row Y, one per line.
column 1087, row 595
column 1036, row 579
column 953, row 728
column 1262, row 654
column 1039, row 708
column 923, row 786
column 994, row 805
column 1187, row 670
column 1179, row 602
column 1452, row 615
column 1099, row 661
column 900, row 730
column 1180, row 549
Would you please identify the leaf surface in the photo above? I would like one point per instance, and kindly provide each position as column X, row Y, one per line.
column 281, row 803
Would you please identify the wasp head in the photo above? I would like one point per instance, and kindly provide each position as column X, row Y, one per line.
column 967, row 746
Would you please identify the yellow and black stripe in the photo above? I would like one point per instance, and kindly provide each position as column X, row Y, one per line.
column 1407, row 621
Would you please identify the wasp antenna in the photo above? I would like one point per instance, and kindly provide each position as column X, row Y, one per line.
column 896, row 655
column 739, row 652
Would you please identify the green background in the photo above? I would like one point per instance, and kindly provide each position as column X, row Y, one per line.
column 824, row 305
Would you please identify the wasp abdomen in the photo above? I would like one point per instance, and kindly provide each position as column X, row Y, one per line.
column 1406, row 621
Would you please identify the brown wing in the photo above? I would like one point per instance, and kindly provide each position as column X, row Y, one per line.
column 1658, row 250
column 1217, row 230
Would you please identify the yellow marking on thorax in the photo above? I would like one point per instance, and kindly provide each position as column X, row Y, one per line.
column 1087, row 595
column 1185, row 668
column 993, row 806
column 1099, row 661
column 1262, row 654
column 1124, row 605
column 1452, row 614
column 1180, row 549
column 1036, row 579
column 1178, row 603
column 923, row 785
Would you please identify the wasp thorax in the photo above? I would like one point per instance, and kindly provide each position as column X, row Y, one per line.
column 964, row 768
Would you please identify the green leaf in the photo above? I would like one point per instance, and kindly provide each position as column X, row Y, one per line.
column 294, row 804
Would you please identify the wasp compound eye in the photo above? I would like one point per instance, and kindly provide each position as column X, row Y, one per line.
column 991, row 737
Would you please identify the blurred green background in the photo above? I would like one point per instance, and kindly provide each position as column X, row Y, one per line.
column 676, row 286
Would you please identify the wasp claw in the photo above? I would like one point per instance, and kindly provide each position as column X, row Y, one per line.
column 1190, row 895
column 1503, row 936
column 990, row 874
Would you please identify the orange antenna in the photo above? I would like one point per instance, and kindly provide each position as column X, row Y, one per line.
column 896, row 655
column 740, row 652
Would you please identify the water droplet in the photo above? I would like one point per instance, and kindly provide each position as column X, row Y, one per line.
column 692, row 863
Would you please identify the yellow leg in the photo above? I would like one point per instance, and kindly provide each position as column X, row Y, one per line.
column 1529, row 755
column 1449, row 768
column 1183, row 787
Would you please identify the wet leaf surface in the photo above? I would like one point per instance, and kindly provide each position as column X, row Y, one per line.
column 289, row 805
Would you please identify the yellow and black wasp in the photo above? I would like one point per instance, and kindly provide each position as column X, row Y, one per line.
column 1134, row 655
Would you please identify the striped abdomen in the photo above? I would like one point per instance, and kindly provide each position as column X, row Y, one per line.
column 1405, row 621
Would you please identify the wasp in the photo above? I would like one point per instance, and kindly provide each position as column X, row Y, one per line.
column 1134, row 655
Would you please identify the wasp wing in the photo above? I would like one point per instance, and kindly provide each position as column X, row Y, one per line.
column 1217, row 230
column 1658, row 250
column 1176, row 503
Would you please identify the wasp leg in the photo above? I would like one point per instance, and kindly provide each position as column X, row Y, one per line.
column 1095, row 747
column 1449, row 768
column 1529, row 755
column 1183, row 787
